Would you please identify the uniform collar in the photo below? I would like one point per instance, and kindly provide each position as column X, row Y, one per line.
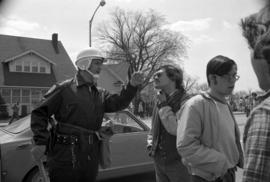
column 80, row 81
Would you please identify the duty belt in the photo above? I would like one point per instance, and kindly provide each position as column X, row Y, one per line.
column 71, row 139
column 67, row 139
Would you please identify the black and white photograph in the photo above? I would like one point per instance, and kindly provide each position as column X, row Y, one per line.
column 134, row 90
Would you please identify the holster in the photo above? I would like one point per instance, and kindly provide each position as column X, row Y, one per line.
column 75, row 140
column 52, row 140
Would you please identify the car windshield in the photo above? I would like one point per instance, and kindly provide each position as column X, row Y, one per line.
column 18, row 126
column 123, row 122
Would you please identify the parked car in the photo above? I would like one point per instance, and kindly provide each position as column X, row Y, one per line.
column 128, row 149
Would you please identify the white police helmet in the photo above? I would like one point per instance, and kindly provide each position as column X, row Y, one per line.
column 84, row 58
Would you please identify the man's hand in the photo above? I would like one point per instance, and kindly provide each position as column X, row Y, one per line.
column 38, row 152
column 137, row 79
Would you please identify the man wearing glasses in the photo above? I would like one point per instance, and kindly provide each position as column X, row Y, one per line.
column 208, row 137
column 78, row 106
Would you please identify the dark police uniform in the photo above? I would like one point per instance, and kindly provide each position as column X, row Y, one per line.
column 78, row 107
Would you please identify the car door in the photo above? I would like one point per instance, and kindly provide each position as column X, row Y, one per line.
column 128, row 144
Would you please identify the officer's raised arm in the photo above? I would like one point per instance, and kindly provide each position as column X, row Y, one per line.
column 117, row 102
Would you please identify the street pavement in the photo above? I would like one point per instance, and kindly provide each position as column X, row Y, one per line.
column 150, row 177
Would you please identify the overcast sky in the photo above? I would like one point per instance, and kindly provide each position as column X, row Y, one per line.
column 212, row 27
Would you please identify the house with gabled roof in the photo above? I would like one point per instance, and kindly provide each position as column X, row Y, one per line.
column 28, row 68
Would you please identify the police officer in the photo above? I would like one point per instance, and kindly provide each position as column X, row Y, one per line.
column 78, row 106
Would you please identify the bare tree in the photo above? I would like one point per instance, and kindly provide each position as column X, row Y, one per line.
column 140, row 39
column 200, row 87
column 190, row 83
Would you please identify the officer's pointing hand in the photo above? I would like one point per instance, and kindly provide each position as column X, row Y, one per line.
column 137, row 79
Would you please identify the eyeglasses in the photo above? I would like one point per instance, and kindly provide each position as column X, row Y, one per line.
column 157, row 75
column 230, row 77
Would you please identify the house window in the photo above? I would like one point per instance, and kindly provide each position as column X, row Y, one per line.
column 34, row 67
column 26, row 66
column 26, row 96
column 30, row 66
column 16, row 95
column 6, row 94
column 18, row 68
column 36, row 96
column 42, row 69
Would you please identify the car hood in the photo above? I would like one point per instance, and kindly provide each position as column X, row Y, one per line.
column 5, row 136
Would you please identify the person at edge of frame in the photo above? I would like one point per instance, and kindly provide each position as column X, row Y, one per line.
column 256, row 137
column 78, row 106
column 161, row 141
column 208, row 137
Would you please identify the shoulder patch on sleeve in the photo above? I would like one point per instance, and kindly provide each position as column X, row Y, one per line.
column 51, row 90
column 58, row 86
column 66, row 82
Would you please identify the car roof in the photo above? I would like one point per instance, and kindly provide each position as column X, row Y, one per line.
column 23, row 124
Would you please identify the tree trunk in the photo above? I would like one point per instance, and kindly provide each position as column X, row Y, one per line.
column 136, row 102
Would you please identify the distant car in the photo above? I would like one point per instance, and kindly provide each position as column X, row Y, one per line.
column 128, row 147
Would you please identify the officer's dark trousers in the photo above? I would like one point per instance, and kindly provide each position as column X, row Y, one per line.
column 68, row 174
column 84, row 170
